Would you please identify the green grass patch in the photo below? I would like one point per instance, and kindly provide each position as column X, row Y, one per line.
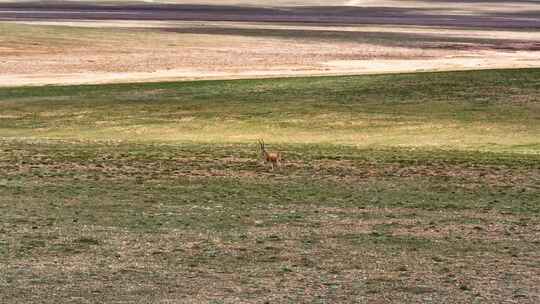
column 416, row 187
column 459, row 110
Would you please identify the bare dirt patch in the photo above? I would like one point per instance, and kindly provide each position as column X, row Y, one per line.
column 317, row 39
column 51, row 55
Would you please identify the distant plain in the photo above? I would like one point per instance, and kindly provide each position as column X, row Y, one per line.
column 73, row 42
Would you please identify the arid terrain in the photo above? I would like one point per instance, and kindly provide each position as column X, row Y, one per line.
column 83, row 42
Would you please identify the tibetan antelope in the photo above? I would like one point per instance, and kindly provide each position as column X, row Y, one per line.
column 274, row 158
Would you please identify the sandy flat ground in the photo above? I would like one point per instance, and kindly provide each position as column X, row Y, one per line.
column 37, row 48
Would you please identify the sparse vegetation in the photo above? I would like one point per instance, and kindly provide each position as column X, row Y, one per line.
column 405, row 188
column 75, row 52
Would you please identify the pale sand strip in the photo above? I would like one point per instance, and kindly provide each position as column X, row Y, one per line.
column 337, row 67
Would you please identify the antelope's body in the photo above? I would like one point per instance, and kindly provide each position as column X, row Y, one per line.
column 274, row 158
